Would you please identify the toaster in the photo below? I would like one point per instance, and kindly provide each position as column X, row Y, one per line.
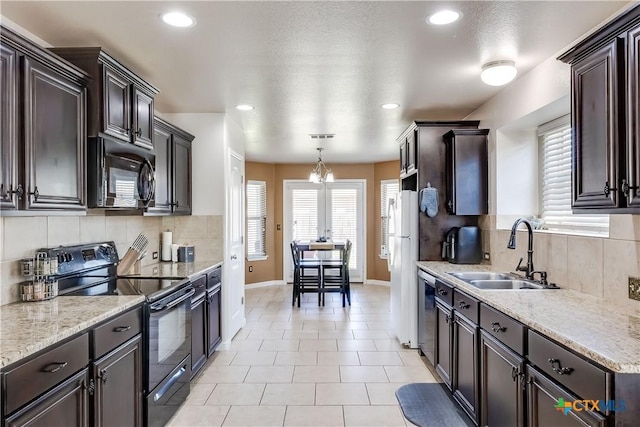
column 462, row 245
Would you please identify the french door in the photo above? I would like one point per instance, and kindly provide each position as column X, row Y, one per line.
column 333, row 210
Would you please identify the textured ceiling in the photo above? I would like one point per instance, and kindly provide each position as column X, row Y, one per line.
column 317, row 67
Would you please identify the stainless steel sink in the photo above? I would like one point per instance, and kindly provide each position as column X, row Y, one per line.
column 512, row 284
column 467, row 276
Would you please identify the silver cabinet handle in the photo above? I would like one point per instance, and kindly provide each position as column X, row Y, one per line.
column 234, row 257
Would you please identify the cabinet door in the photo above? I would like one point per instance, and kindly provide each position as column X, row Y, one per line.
column 543, row 400
column 162, row 151
column 118, row 386
column 633, row 118
column 465, row 365
column 597, row 130
column 213, row 320
column 444, row 328
column 501, row 384
column 199, row 346
column 403, row 157
column 66, row 405
column 55, row 139
column 117, row 105
column 142, row 124
column 412, row 150
column 467, row 172
column 9, row 186
column 182, row 175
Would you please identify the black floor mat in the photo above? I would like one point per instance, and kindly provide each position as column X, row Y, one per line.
column 428, row 405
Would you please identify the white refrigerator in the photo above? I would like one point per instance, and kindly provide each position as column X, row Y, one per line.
column 403, row 254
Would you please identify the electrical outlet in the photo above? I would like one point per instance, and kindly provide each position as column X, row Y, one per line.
column 278, row 227
column 634, row 288
column 154, row 255
column 251, row 269
column 486, row 256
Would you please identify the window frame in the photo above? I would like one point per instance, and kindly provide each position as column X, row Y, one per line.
column 255, row 256
column 384, row 209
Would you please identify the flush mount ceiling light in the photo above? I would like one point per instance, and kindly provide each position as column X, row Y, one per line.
column 320, row 173
column 390, row 106
column 444, row 17
column 498, row 73
column 178, row 19
column 244, row 107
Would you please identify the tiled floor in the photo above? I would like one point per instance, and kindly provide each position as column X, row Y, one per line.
column 307, row 366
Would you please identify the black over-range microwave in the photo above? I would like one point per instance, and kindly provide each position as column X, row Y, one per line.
column 119, row 175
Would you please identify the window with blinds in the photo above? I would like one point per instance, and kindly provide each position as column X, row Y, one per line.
column 344, row 219
column 305, row 213
column 256, row 219
column 388, row 190
column 555, row 183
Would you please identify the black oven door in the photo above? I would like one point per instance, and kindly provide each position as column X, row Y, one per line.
column 130, row 181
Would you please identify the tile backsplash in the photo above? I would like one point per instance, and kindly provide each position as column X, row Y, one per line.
column 21, row 236
column 598, row 266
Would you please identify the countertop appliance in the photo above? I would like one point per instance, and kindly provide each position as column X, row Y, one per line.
column 403, row 255
column 186, row 253
column 427, row 315
column 119, row 175
column 86, row 270
column 463, row 245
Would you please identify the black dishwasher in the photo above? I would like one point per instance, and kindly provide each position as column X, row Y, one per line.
column 427, row 315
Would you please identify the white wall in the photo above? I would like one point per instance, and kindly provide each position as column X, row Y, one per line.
column 207, row 157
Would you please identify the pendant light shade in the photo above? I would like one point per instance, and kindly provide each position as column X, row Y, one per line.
column 320, row 173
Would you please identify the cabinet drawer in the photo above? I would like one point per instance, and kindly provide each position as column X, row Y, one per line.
column 200, row 286
column 504, row 328
column 33, row 378
column 466, row 305
column 444, row 292
column 578, row 375
column 214, row 277
column 114, row 332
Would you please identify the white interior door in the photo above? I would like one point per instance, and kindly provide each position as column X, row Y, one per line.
column 334, row 210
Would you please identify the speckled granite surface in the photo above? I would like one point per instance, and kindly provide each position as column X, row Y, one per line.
column 26, row 328
column 593, row 327
column 178, row 270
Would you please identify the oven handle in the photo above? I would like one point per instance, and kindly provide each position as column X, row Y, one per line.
column 156, row 307
column 170, row 383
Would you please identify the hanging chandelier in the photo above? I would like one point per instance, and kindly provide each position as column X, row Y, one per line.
column 320, row 173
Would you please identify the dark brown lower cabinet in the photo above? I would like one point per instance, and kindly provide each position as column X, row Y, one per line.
column 198, row 333
column 444, row 334
column 66, row 405
column 502, row 384
column 543, row 396
column 465, row 365
column 118, row 386
column 213, row 317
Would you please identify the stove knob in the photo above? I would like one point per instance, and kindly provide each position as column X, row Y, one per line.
column 60, row 258
column 68, row 257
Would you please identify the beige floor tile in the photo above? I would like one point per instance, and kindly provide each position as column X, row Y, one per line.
column 245, row 345
column 304, row 335
column 316, row 374
column 412, row 358
column 386, row 326
column 194, row 416
column 368, row 334
column 199, row 394
column 257, row 325
column 381, row 358
column 280, row 345
column 356, row 345
column 270, row 317
column 254, row 358
column 262, row 416
column 214, row 374
column 398, row 374
column 266, row 334
column 309, row 358
column 351, row 325
column 361, row 374
column 314, row 416
column 289, row 394
column 290, row 325
column 318, row 345
column 236, row 394
column 338, row 358
column 383, row 394
column 222, row 357
column 338, row 334
column 341, row 394
column 391, row 344
column 269, row 374
column 313, row 325
column 373, row 416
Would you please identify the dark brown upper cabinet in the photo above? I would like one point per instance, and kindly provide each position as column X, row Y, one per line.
column 466, row 170
column 408, row 154
column 604, row 117
column 43, row 133
column 172, row 148
column 120, row 102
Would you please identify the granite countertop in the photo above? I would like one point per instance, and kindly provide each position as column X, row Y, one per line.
column 597, row 329
column 176, row 270
column 28, row 327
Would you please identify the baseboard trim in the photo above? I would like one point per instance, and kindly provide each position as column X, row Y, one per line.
column 377, row 282
column 265, row 284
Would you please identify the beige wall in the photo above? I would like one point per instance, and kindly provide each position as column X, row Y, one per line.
column 271, row 269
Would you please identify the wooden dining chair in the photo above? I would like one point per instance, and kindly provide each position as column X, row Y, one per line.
column 335, row 275
column 306, row 275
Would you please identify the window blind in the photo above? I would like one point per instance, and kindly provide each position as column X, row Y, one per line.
column 555, row 183
column 344, row 219
column 305, row 213
column 256, row 219
column 388, row 190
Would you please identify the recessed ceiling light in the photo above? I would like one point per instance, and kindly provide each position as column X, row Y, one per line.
column 178, row 19
column 390, row 106
column 244, row 107
column 444, row 17
column 498, row 73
